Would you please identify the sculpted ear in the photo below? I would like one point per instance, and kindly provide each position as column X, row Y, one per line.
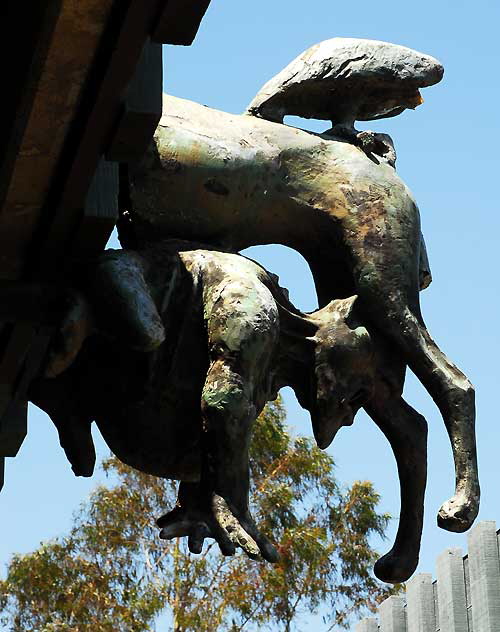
column 342, row 307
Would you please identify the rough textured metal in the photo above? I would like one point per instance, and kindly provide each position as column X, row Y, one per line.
column 235, row 181
column 392, row 615
column 186, row 345
column 484, row 568
column 420, row 604
column 345, row 79
column 451, row 591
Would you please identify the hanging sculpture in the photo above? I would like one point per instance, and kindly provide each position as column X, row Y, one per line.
column 174, row 345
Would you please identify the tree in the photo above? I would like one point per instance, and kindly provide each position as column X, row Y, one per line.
column 112, row 573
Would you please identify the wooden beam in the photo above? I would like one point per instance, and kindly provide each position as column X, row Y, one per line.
column 63, row 215
column 31, row 303
column 141, row 111
column 179, row 21
column 63, row 209
column 62, row 85
column 37, row 26
column 82, row 153
column 101, row 211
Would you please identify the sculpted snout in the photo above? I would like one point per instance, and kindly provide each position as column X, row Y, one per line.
column 336, row 406
column 344, row 369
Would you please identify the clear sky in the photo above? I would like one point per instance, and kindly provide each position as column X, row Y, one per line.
column 448, row 155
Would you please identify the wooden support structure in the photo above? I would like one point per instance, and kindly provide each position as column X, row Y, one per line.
column 141, row 110
column 465, row 597
column 86, row 97
column 179, row 21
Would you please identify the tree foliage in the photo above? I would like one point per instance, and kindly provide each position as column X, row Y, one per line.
column 112, row 573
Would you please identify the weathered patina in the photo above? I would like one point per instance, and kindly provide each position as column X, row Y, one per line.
column 185, row 346
column 174, row 351
column 240, row 180
column 174, row 347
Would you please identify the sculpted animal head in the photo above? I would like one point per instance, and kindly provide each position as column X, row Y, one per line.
column 343, row 369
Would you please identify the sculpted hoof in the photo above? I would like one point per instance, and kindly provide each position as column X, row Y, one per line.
column 216, row 520
column 457, row 514
column 395, row 569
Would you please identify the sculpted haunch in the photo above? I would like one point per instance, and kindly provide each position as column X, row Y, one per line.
column 185, row 346
column 174, row 348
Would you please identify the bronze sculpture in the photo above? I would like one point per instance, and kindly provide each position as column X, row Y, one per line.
column 233, row 181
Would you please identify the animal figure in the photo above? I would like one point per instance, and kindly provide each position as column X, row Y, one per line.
column 174, row 351
column 345, row 79
column 236, row 181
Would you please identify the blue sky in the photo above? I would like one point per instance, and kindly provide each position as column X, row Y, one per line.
column 448, row 155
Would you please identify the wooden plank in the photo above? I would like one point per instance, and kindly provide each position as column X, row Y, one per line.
column 31, row 303
column 53, row 221
column 13, row 359
column 29, row 306
column 62, row 83
column 142, row 108
column 34, row 28
column 179, row 21
column 83, row 153
column 101, row 210
column 120, row 49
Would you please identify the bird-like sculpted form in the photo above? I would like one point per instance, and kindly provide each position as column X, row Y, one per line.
column 344, row 80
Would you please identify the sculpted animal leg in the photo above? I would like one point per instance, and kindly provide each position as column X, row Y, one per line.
column 117, row 302
column 62, row 400
column 76, row 326
column 122, row 300
column 454, row 395
column 193, row 516
column 242, row 327
column 388, row 288
column 218, row 505
column 406, row 431
column 242, row 333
